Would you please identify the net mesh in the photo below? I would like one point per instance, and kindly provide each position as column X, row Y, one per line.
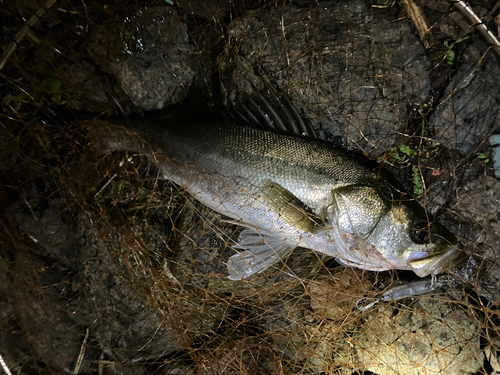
column 107, row 269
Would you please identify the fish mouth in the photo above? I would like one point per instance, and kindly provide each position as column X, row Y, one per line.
column 438, row 262
column 416, row 256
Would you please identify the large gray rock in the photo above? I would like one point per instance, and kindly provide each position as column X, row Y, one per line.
column 470, row 108
column 354, row 72
column 150, row 54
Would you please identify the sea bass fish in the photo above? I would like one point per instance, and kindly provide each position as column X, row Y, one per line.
column 289, row 191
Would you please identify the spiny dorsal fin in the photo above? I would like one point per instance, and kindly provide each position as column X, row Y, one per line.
column 269, row 110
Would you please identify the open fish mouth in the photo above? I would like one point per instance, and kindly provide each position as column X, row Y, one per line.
column 437, row 263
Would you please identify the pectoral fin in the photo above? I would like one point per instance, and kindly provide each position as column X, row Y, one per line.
column 290, row 208
column 262, row 251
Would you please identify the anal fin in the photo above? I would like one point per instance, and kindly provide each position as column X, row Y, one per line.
column 261, row 252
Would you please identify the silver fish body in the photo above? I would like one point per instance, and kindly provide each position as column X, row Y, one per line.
column 290, row 191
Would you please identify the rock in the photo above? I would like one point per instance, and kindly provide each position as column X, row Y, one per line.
column 116, row 295
column 207, row 9
column 85, row 87
column 479, row 203
column 45, row 226
column 355, row 73
column 42, row 328
column 335, row 296
column 150, row 55
column 431, row 337
column 255, row 356
column 470, row 108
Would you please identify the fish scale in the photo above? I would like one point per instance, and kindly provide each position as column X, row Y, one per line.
column 237, row 151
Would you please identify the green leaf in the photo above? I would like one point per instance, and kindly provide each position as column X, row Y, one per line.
column 451, row 56
column 54, row 23
column 418, row 182
column 33, row 38
column 407, row 150
column 51, row 86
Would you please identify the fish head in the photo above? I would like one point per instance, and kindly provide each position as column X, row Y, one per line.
column 410, row 240
column 377, row 233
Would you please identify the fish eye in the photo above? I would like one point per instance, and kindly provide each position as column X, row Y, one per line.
column 421, row 233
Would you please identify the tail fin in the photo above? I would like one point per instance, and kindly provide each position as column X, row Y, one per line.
column 106, row 137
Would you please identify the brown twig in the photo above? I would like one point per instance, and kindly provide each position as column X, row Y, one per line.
column 419, row 19
column 493, row 9
column 22, row 33
column 81, row 354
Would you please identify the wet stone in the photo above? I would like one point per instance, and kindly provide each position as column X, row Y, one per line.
column 149, row 54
